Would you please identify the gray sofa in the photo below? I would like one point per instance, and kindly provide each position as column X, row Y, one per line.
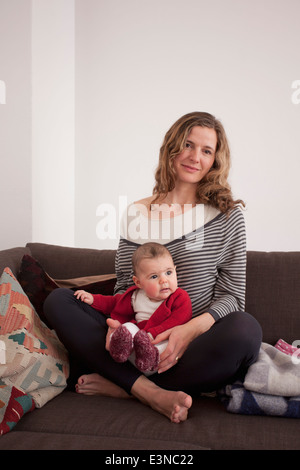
column 72, row 421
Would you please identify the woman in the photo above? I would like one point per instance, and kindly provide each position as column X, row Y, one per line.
column 193, row 213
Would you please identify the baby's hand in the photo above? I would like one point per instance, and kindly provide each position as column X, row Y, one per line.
column 84, row 296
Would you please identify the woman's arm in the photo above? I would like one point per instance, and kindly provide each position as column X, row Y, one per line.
column 230, row 286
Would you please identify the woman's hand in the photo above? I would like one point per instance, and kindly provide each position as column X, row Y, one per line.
column 112, row 326
column 179, row 339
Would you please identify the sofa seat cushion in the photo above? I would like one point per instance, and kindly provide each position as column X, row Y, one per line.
column 94, row 422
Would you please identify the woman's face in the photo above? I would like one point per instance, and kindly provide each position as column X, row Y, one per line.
column 198, row 156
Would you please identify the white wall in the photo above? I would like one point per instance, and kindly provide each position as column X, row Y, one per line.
column 93, row 85
column 15, row 123
column 53, row 121
column 37, row 154
column 140, row 65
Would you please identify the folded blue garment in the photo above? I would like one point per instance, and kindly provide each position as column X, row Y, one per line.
column 239, row 400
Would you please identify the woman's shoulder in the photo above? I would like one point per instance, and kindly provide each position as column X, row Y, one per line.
column 230, row 220
column 142, row 205
column 136, row 213
column 146, row 201
column 237, row 212
column 234, row 219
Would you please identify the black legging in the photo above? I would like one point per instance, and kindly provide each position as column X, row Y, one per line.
column 219, row 356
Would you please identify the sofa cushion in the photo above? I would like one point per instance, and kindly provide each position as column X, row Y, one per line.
column 35, row 365
column 102, row 284
column 37, row 284
column 66, row 262
column 273, row 293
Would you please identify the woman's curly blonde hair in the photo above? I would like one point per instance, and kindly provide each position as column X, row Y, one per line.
column 214, row 188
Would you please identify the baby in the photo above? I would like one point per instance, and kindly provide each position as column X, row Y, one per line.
column 154, row 304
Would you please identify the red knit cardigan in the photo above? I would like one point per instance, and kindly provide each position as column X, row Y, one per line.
column 175, row 310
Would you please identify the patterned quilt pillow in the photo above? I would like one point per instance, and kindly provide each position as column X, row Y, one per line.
column 34, row 364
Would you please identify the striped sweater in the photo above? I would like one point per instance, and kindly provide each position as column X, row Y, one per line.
column 209, row 255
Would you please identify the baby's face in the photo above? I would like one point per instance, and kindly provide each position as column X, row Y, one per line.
column 157, row 277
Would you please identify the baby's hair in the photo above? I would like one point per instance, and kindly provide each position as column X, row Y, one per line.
column 148, row 251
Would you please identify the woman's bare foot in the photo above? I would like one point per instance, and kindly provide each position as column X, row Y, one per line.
column 94, row 384
column 173, row 405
